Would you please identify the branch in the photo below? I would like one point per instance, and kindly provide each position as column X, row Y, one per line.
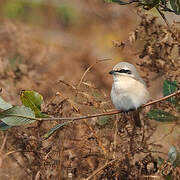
column 105, row 113
column 161, row 99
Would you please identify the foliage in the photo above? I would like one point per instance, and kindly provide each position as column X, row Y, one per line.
column 54, row 129
column 21, row 115
column 175, row 5
column 163, row 5
column 34, row 101
column 32, row 11
column 4, row 105
column 18, row 115
column 4, row 126
column 168, row 88
column 159, row 115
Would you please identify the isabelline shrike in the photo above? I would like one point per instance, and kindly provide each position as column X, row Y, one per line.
column 128, row 89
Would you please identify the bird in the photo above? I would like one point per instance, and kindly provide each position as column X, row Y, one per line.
column 128, row 91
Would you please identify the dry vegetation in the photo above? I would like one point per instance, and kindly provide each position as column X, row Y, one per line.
column 98, row 148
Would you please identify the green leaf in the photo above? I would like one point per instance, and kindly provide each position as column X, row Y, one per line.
column 175, row 5
column 43, row 115
column 170, row 87
column 117, row 1
column 4, row 126
column 32, row 100
column 151, row 3
column 4, row 105
column 160, row 115
column 54, row 129
column 103, row 120
column 174, row 156
column 18, row 115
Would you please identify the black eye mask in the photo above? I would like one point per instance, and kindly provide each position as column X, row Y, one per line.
column 124, row 71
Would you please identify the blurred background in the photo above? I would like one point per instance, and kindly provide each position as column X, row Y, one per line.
column 47, row 41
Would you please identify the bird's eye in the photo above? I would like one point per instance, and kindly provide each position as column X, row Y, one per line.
column 126, row 71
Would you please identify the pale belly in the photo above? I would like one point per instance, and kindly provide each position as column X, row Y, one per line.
column 129, row 94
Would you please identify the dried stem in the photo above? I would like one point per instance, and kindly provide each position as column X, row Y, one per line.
column 164, row 18
column 115, row 136
column 161, row 99
column 105, row 165
column 101, row 168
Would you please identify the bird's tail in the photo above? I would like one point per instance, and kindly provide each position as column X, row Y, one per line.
column 136, row 118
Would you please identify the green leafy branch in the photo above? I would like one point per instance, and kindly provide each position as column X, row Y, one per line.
column 162, row 5
column 30, row 111
column 21, row 115
column 169, row 87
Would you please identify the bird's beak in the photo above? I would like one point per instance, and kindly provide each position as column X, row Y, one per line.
column 112, row 72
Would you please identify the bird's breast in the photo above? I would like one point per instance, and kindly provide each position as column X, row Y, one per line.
column 128, row 93
column 125, row 84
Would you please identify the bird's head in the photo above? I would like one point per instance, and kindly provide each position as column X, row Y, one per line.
column 125, row 69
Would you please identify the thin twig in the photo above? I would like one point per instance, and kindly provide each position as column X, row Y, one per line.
column 79, row 117
column 161, row 99
column 103, row 114
column 164, row 18
column 69, row 85
column 1, row 150
column 3, row 144
column 90, row 67
column 115, row 135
